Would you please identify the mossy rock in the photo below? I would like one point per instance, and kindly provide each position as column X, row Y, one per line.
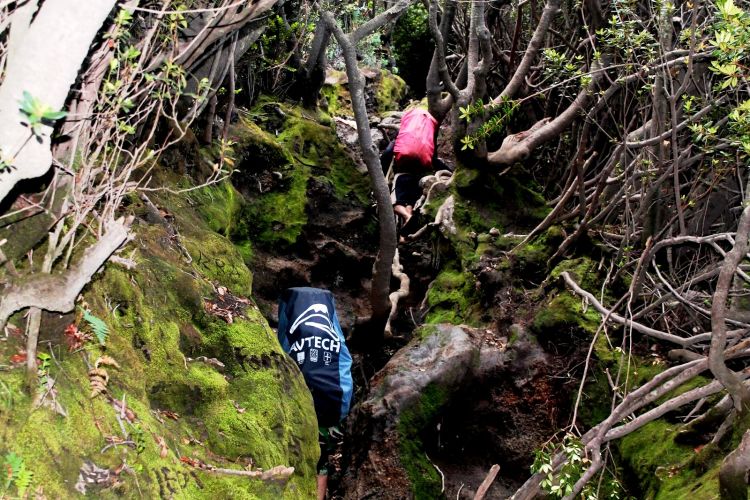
column 582, row 269
column 515, row 197
column 661, row 469
column 532, row 258
column 452, row 299
column 256, row 411
column 425, row 481
column 390, row 90
column 337, row 95
column 276, row 217
column 563, row 317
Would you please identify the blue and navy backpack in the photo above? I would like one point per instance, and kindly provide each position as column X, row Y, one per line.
column 309, row 331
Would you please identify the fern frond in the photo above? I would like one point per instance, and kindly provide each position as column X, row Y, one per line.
column 23, row 481
column 13, row 465
column 98, row 326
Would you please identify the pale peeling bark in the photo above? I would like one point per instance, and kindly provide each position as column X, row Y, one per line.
column 518, row 147
column 45, row 63
column 734, row 471
column 402, row 292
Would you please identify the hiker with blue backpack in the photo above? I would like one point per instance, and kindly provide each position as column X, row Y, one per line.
column 309, row 331
column 414, row 155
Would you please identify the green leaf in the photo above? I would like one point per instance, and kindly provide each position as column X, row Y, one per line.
column 54, row 115
column 98, row 326
column 124, row 17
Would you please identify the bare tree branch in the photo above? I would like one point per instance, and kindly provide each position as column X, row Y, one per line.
column 57, row 292
column 740, row 394
column 657, row 334
column 551, row 8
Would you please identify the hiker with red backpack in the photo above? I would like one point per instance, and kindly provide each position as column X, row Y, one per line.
column 414, row 155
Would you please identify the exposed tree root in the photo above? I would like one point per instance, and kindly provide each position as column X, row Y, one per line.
column 399, row 294
column 734, row 471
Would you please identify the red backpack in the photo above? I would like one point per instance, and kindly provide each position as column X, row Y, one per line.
column 415, row 142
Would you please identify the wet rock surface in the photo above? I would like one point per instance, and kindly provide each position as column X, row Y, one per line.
column 453, row 401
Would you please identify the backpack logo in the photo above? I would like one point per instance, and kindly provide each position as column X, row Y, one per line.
column 315, row 316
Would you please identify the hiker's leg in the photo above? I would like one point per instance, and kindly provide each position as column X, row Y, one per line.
column 324, row 440
column 403, row 211
column 322, row 486
column 407, row 192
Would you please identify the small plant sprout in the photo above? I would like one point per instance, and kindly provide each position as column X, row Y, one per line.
column 37, row 113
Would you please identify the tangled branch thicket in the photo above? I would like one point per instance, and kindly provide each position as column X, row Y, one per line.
column 649, row 103
column 137, row 91
column 634, row 115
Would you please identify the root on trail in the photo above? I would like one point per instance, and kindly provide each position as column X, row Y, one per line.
column 734, row 470
column 395, row 297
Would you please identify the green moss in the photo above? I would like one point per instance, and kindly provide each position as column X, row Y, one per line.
column 661, row 467
column 425, row 331
column 390, row 90
column 257, row 409
column 217, row 259
column 337, row 94
column 275, row 218
column 318, row 147
column 564, row 313
column 532, row 258
column 219, row 206
column 425, row 481
column 514, row 197
column 452, row 299
column 279, row 216
column 257, row 149
column 582, row 269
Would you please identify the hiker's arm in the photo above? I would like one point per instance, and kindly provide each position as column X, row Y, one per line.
column 387, row 156
column 437, row 163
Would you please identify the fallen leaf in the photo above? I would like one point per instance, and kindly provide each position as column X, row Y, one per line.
column 164, row 449
column 106, row 360
column 18, row 358
column 11, row 329
column 98, row 378
column 75, row 337
column 169, row 414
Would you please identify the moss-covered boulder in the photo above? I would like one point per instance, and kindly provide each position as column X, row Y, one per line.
column 657, row 467
column 338, row 101
column 404, row 398
column 452, row 299
column 390, row 90
column 200, row 381
column 385, row 92
column 284, row 151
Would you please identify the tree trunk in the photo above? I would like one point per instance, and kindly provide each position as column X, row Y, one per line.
column 45, row 63
column 381, row 278
column 313, row 74
column 733, row 472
